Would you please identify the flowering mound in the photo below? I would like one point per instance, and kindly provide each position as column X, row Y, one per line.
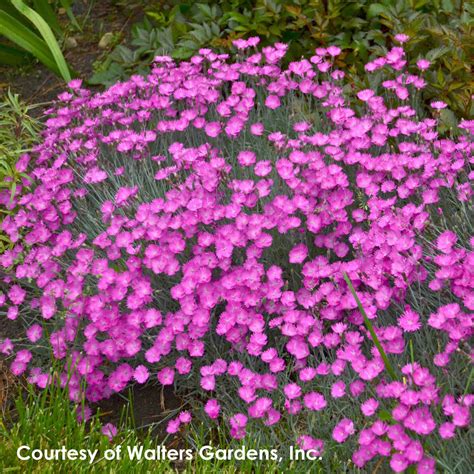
column 196, row 226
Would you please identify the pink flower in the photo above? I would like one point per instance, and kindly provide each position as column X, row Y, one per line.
column 426, row 466
column 34, row 332
column 173, row 426
column 123, row 194
column 423, row 64
column 461, row 415
column 401, row 38
column 16, row 294
column 272, row 417
column 365, row 94
column 308, row 443
column 95, row 175
column 212, row 408
column 263, row 168
column 307, row 374
column 212, row 129
column 447, row 430
column 338, row 389
column 260, row 407
column 398, row 462
column 357, row 388
column 208, row 382
column 343, row 430
column 238, row 421
column 333, row 51
column 12, row 312
column 185, row 417
column 409, row 321
column 246, row 158
column 141, row 374
column 369, row 407
column 298, row 253
column 272, row 102
column 438, row 105
column 414, row 451
column 166, row 376
column 257, row 129
column 6, row 346
column 292, row 391
column 297, row 347
column 109, row 430
column 48, row 306
column 314, row 401
column 446, row 241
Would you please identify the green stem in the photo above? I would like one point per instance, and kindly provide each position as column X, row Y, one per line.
column 369, row 326
column 469, row 380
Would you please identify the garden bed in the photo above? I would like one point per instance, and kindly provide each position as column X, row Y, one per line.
column 247, row 251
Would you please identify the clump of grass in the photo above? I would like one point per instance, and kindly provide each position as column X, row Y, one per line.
column 18, row 133
column 47, row 420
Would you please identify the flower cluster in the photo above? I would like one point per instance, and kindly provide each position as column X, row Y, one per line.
column 213, row 207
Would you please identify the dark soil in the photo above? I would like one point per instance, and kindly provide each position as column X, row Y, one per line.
column 150, row 405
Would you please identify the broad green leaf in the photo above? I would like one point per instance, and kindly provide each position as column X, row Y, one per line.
column 26, row 39
column 47, row 35
column 376, row 9
column 44, row 8
column 12, row 56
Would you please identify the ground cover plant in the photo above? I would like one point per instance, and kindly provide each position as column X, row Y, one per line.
column 293, row 256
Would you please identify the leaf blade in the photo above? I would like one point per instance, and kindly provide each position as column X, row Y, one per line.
column 47, row 35
column 19, row 34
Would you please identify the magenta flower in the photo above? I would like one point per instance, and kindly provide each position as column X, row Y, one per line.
column 343, row 430
column 298, row 253
column 272, row 102
column 173, row 426
column 409, row 321
column 166, row 376
column 292, row 391
column 423, row 64
column 398, row 462
column 314, row 401
column 141, row 374
column 369, row 407
column 16, row 294
column 109, row 430
column 246, row 158
column 34, row 332
column 212, row 408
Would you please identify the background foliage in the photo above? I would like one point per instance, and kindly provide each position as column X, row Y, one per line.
column 441, row 31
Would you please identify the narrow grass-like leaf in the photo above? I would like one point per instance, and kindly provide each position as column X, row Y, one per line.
column 369, row 326
column 47, row 35
column 67, row 5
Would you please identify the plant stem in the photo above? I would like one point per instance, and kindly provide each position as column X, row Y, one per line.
column 369, row 326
